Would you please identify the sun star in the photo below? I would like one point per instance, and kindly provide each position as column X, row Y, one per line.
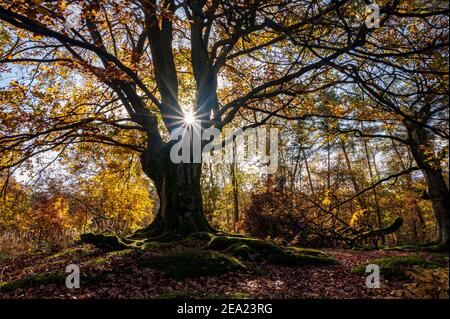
column 189, row 118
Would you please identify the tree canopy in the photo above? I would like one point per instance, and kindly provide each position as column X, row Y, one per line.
column 125, row 73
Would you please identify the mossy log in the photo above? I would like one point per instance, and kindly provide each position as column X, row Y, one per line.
column 377, row 232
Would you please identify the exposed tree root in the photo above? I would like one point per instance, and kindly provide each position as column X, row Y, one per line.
column 157, row 232
column 240, row 246
column 109, row 242
column 106, row 242
column 261, row 250
column 163, row 230
column 244, row 248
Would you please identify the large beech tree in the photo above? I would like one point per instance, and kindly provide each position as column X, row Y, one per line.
column 139, row 65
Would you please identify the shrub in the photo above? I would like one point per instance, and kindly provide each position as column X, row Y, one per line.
column 275, row 214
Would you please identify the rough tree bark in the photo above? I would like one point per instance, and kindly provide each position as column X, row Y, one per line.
column 178, row 187
column 438, row 191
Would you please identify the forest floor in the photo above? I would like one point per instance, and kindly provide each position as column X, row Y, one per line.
column 125, row 274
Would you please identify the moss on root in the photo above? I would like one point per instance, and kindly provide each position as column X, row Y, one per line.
column 244, row 248
column 395, row 267
column 193, row 263
column 106, row 242
column 296, row 259
column 111, row 242
column 97, row 261
column 177, row 295
column 230, row 242
column 120, row 252
column 70, row 252
column 261, row 250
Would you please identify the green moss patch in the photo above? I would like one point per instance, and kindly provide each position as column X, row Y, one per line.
column 120, row 252
column 177, row 295
column 97, row 261
column 395, row 267
column 308, row 251
column 262, row 246
column 53, row 277
column 64, row 253
column 233, row 295
column 4, row 255
column 154, row 245
column 194, row 294
column 296, row 259
column 33, row 281
column 78, row 252
column 404, row 248
column 193, row 263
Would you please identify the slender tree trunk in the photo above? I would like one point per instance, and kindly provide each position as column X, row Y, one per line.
column 308, row 172
column 375, row 166
column 419, row 144
column 212, row 186
column 234, row 183
column 333, row 220
column 374, row 190
column 296, row 167
column 362, row 204
column 328, row 166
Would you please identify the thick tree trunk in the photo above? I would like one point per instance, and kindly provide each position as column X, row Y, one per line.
column 439, row 196
column 178, row 187
column 437, row 188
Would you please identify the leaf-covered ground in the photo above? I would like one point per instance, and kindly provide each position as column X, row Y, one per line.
column 142, row 274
